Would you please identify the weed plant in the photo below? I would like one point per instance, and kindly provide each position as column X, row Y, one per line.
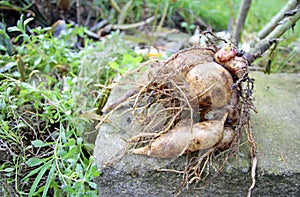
column 45, row 90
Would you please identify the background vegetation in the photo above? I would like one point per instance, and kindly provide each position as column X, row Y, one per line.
column 52, row 87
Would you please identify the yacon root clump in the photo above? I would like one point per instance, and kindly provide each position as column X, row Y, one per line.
column 195, row 100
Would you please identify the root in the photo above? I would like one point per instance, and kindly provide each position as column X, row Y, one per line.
column 164, row 100
column 195, row 169
column 253, row 158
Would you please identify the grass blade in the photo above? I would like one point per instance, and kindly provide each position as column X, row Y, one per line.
column 49, row 180
column 38, row 178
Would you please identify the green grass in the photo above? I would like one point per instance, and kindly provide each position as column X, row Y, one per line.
column 46, row 92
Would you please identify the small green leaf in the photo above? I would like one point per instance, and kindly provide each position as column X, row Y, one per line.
column 27, row 21
column 11, row 29
column 34, row 161
column 61, row 152
column 93, row 172
column 79, row 141
column 93, row 185
column 38, row 143
column 78, row 185
column 114, row 65
column 8, row 66
column 8, row 170
column 72, row 153
column 37, row 61
column 91, row 159
column 40, row 190
column 70, row 142
column 68, row 189
column 20, row 22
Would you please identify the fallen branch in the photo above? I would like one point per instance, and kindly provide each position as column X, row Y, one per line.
column 130, row 26
column 268, row 28
column 285, row 24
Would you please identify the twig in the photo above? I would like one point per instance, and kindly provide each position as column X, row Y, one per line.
column 241, row 20
column 284, row 25
column 264, row 44
column 162, row 20
column 134, row 25
column 155, row 15
column 115, row 6
column 268, row 28
column 124, row 12
column 169, row 170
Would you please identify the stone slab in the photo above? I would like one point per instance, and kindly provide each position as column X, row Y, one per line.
column 276, row 129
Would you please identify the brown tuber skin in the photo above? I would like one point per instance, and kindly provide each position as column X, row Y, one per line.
column 210, row 83
column 228, row 136
column 185, row 139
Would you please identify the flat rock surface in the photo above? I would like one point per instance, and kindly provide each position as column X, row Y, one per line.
column 276, row 129
column 277, row 125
